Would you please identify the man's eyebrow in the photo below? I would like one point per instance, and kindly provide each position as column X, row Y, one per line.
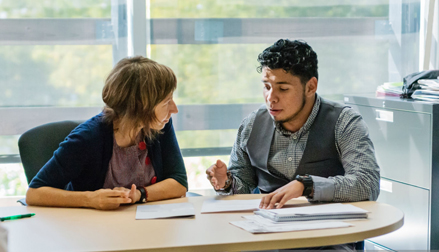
column 279, row 83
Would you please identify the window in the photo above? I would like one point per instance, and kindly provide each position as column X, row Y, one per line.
column 55, row 55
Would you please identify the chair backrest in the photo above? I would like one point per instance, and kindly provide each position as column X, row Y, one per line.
column 37, row 145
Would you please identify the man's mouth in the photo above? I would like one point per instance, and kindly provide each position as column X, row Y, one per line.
column 275, row 112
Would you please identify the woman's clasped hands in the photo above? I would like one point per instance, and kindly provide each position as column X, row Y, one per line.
column 108, row 199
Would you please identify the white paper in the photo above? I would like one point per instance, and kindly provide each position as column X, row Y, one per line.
column 258, row 224
column 164, row 211
column 214, row 206
column 268, row 222
column 335, row 208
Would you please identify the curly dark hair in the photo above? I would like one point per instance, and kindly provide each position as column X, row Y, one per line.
column 295, row 57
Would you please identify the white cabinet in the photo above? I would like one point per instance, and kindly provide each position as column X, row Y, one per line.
column 403, row 133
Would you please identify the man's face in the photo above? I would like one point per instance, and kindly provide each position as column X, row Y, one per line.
column 284, row 94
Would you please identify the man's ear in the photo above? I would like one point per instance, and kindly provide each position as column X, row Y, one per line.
column 311, row 87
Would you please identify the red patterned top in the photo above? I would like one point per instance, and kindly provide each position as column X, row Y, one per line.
column 130, row 165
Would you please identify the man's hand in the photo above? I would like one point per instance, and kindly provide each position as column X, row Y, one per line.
column 133, row 194
column 289, row 191
column 107, row 199
column 217, row 174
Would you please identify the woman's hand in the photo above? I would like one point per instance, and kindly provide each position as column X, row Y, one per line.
column 133, row 194
column 107, row 199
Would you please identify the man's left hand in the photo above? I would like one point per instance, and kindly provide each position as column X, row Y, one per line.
column 289, row 191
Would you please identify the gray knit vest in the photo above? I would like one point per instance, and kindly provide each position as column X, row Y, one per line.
column 320, row 157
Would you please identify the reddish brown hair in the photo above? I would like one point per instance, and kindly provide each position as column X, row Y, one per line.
column 133, row 89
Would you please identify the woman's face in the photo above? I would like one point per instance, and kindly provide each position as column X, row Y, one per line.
column 164, row 110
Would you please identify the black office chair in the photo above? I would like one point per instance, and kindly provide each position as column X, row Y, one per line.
column 37, row 145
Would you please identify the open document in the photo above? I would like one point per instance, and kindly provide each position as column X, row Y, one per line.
column 214, row 206
column 164, row 211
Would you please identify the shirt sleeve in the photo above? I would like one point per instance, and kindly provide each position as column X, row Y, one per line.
column 172, row 159
column 243, row 174
column 362, row 173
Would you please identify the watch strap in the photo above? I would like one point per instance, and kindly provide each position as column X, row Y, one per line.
column 143, row 194
column 228, row 182
column 307, row 183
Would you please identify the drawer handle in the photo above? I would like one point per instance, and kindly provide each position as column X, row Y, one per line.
column 385, row 186
column 383, row 115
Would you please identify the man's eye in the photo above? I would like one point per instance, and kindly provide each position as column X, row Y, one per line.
column 283, row 89
column 267, row 87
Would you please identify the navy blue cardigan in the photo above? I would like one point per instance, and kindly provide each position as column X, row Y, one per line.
column 81, row 162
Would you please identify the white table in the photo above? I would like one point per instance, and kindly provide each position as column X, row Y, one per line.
column 76, row 229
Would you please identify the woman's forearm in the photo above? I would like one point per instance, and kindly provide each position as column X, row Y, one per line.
column 49, row 196
column 104, row 199
column 166, row 189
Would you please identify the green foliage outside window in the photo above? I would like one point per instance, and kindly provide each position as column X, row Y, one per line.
column 73, row 75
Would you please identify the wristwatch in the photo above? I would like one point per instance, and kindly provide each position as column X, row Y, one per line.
column 143, row 194
column 228, row 182
column 308, row 183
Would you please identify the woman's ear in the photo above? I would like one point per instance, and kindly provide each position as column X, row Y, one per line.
column 311, row 86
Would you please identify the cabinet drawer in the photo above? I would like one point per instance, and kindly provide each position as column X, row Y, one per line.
column 370, row 246
column 414, row 202
column 402, row 142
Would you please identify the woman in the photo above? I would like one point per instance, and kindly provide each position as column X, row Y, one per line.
column 126, row 154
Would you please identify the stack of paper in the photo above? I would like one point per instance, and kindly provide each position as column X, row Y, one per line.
column 429, row 90
column 319, row 212
column 257, row 224
column 389, row 89
column 300, row 218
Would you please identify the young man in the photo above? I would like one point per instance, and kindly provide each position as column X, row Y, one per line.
column 298, row 144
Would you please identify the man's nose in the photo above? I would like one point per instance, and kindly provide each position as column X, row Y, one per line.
column 271, row 96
